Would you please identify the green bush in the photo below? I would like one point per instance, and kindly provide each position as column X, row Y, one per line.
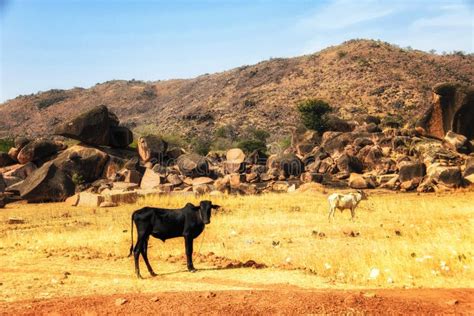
column 201, row 146
column 6, row 144
column 249, row 145
column 226, row 131
column 313, row 114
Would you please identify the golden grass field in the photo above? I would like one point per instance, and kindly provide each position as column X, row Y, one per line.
column 411, row 240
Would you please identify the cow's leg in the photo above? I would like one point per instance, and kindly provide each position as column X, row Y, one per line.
column 141, row 237
column 352, row 213
column 188, row 242
column 331, row 212
column 145, row 256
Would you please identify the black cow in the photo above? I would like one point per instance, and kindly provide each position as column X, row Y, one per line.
column 187, row 222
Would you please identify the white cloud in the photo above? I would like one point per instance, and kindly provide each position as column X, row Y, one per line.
column 440, row 25
column 344, row 13
column 458, row 15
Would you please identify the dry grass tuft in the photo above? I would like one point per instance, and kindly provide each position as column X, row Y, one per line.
column 397, row 240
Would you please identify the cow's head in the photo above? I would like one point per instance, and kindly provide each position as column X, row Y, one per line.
column 205, row 209
column 363, row 195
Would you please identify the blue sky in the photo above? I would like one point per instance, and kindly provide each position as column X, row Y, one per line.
column 49, row 44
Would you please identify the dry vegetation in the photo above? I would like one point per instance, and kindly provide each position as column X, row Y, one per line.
column 412, row 240
column 357, row 77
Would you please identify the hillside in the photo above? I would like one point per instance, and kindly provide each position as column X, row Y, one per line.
column 356, row 77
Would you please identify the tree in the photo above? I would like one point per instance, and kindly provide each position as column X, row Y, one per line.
column 313, row 114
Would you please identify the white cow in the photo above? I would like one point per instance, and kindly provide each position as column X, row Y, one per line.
column 345, row 201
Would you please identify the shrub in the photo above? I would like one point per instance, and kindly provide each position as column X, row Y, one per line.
column 249, row 145
column 226, row 131
column 6, row 144
column 77, row 179
column 313, row 114
column 249, row 103
column 201, row 146
column 257, row 134
column 341, row 54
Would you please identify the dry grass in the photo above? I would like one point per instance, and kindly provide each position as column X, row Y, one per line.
column 412, row 240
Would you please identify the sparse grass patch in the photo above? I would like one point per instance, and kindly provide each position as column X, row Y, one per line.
column 397, row 240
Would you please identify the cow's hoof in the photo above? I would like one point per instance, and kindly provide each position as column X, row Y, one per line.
column 139, row 276
column 153, row 274
column 192, row 270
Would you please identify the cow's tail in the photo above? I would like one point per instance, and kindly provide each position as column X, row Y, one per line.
column 131, row 234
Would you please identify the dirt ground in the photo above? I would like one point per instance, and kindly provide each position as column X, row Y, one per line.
column 274, row 300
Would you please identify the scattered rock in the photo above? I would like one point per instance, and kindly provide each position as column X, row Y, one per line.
column 150, row 179
column 108, row 204
column 120, row 301
column 39, row 149
column 193, row 165
column 6, row 159
column 16, row 220
column 151, row 147
column 47, row 184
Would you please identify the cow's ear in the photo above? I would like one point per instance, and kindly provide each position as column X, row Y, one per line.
column 215, row 206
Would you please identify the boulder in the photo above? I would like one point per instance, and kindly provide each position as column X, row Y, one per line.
column 469, row 167
column 201, row 189
column 150, row 180
column 108, row 204
column 3, row 184
column 13, row 154
column 174, row 179
column 452, row 108
column 84, row 162
column 193, row 165
column 311, row 177
column 362, row 141
column 21, row 171
column 91, row 127
column 457, row 142
column 280, row 186
column 73, row 200
column 235, row 180
column 132, row 176
column 124, row 186
column 87, row 199
column 39, row 149
column 449, row 176
column 112, row 167
column 340, row 141
column 257, row 158
column 222, row 184
column 287, row 164
column 119, row 197
column 410, row 170
column 174, row 153
column 47, row 184
column 469, row 179
column 6, row 160
column 357, row 181
column 202, row 180
column 120, row 137
column 248, row 188
column 152, row 147
column 235, row 159
column 251, row 177
column 11, row 181
column 21, row 142
column 349, row 164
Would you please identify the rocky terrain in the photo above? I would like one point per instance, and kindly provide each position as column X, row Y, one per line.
column 357, row 78
column 102, row 170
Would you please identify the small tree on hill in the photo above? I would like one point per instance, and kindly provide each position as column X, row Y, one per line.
column 313, row 114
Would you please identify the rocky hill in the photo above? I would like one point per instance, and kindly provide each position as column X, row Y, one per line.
column 357, row 77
